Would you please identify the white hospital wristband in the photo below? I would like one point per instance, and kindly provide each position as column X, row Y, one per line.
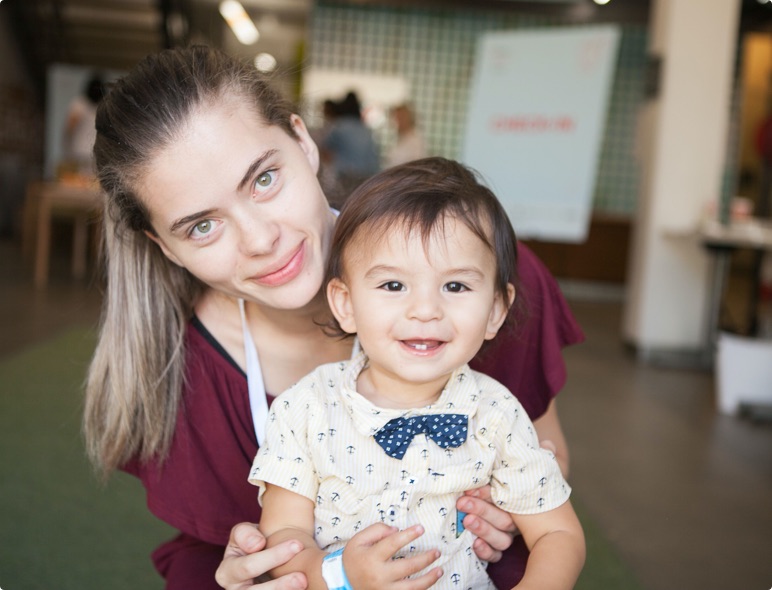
column 333, row 573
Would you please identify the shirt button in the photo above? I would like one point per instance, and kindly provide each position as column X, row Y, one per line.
column 392, row 513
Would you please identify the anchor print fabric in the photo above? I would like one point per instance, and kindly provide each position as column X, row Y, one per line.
column 320, row 444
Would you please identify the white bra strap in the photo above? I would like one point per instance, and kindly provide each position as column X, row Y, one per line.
column 258, row 402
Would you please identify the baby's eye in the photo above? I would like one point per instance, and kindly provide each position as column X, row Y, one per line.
column 455, row 287
column 264, row 180
column 393, row 286
column 202, row 228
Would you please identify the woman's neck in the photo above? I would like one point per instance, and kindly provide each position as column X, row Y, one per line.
column 299, row 322
column 215, row 309
column 290, row 343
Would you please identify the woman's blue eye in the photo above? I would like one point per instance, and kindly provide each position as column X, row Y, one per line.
column 264, row 180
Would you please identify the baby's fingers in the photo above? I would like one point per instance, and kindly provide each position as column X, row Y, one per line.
column 402, row 568
column 390, row 544
column 371, row 535
column 422, row 582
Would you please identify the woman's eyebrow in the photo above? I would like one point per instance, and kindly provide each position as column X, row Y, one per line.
column 254, row 167
column 182, row 221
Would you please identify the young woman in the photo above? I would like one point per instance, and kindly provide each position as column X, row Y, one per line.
column 216, row 236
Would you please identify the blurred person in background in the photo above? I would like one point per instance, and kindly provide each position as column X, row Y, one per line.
column 410, row 143
column 349, row 149
column 79, row 129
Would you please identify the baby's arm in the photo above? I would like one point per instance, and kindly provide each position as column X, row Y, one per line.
column 367, row 557
column 556, row 542
column 287, row 515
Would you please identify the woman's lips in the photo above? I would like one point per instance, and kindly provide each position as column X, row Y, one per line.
column 286, row 273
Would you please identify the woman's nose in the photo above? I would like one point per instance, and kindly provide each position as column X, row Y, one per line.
column 258, row 236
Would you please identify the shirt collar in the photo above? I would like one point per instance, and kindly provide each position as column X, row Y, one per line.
column 459, row 397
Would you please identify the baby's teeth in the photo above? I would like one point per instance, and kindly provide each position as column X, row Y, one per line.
column 421, row 346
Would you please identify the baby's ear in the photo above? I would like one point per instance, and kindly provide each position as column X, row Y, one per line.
column 339, row 299
column 499, row 312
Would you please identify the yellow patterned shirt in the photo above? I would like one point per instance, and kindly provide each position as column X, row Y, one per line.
column 320, row 444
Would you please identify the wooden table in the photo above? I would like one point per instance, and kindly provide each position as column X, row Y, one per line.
column 49, row 199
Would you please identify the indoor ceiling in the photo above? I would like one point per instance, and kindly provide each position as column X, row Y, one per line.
column 115, row 34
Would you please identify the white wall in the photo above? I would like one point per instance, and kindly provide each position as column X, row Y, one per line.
column 683, row 154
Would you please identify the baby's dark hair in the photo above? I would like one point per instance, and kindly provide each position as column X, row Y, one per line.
column 421, row 195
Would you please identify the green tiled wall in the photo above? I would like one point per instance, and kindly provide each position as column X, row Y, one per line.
column 435, row 52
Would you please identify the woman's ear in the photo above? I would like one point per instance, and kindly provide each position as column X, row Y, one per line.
column 168, row 253
column 499, row 312
column 306, row 143
column 339, row 299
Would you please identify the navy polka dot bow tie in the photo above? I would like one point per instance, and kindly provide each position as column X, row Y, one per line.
column 447, row 430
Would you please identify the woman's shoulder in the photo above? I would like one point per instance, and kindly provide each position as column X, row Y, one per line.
column 205, row 353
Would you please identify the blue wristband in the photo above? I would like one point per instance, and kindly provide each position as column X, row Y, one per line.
column 333, row 573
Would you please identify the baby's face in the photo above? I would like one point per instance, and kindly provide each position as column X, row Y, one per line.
column 420, row 308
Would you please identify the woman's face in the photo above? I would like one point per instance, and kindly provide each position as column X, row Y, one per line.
column 237, row 203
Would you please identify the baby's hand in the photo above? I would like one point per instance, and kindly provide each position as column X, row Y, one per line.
column 368, row 561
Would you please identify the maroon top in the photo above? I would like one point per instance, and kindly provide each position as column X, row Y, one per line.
column 202, row 488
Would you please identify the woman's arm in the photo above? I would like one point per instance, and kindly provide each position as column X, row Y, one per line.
column 247, row 559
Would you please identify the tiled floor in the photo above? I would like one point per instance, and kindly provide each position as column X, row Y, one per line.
column 684, row 493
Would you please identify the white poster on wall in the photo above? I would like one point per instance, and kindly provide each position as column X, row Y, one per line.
column 535, row 123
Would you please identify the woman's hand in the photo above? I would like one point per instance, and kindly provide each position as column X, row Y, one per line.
column 246, row 559
column 367, row 560
column 493, row 527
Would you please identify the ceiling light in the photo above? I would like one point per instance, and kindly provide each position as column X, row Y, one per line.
column 265, row 62
column 239, row 22
column 602, row 2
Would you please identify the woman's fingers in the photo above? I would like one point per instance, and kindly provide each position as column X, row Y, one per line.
column 494, row 526
column 481, row 505
column 245, row 538
column 294, row 581
column 238, row 570
column 486, row 552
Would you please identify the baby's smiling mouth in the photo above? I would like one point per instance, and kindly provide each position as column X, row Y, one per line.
column 423, row 345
